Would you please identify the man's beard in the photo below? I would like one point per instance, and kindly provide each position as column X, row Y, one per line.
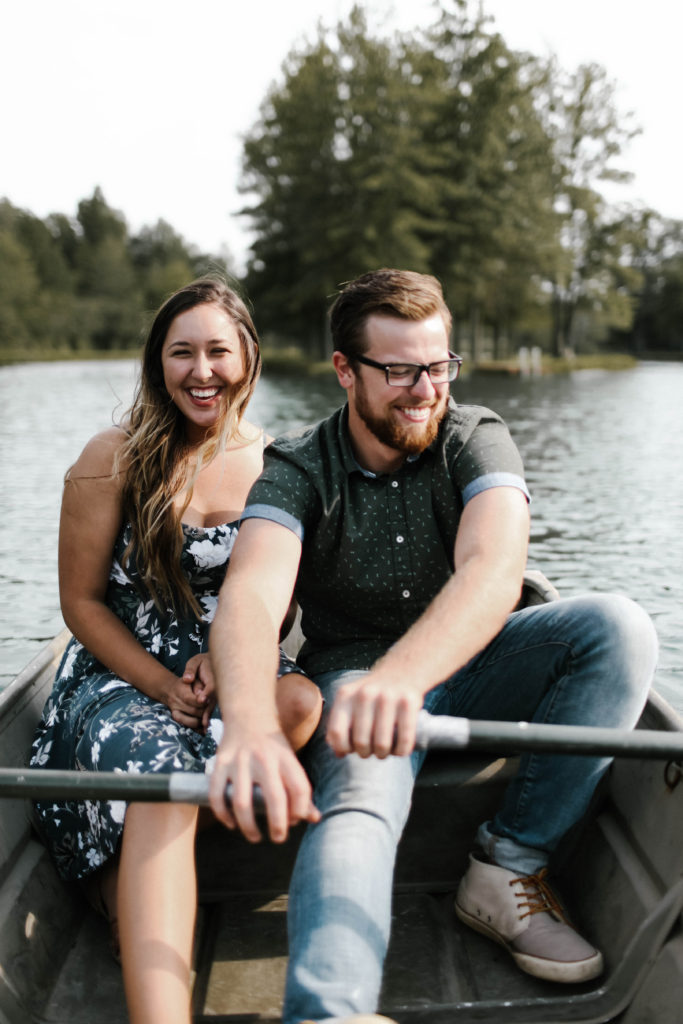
column 393, row 434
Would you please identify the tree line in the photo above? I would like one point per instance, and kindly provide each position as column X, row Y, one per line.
column 84, row 282
column 442, row 151
column 445, row 151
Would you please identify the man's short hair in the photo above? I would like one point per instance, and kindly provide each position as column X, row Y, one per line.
column 399, row 293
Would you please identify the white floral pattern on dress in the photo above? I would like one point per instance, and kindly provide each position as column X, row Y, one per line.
column 95, row 721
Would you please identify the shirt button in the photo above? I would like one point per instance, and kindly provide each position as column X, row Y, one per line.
column 394, row 483
column 399, row 538
column 405, row 593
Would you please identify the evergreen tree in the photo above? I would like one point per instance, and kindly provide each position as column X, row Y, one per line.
column 492, row 167
column 657, row 256
column 18, row 287
column 334, row 163
column 588, row 134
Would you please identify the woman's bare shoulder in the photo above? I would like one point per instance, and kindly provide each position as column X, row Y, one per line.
column 99, row 458
column 249, row 431
column 249, row 434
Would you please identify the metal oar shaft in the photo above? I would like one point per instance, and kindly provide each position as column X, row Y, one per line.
column 51, row 784
column 48, row 784
column 433, row 732
column 441, row 731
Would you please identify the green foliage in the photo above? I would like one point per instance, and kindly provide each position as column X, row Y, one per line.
column 76, row 284
column 589, row 274
column 495, row 221
column 446, row 152
column 441, row 150
column 335, row 165
column 18, row 290
column 657, row 252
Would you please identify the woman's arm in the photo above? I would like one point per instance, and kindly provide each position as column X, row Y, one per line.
column 91, row 519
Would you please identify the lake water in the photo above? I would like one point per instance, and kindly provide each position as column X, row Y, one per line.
column 603, row 453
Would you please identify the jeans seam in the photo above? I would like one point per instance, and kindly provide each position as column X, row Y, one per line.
column 531, row 772
column 451, row 683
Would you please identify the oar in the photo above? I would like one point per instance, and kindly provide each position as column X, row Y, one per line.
column 48, row 784
column 433, row 732
column 442, row 731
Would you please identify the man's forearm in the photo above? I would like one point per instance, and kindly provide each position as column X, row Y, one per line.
column 252, row 604
column 463, row 618
column 470, row 610
column 243, row 644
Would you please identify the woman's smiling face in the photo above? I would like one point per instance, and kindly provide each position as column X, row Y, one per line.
column 202, row 360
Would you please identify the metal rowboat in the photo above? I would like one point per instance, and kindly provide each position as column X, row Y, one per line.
column 623, row 879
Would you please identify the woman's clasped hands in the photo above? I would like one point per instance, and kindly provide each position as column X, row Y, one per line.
column 191, row 698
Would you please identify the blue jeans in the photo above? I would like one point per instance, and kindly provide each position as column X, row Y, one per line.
column 580, row 661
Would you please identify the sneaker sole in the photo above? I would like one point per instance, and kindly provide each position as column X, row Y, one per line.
column 549, row 970
column 359, row 1018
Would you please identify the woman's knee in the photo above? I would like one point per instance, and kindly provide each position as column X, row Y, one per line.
column 299, row 705
column 159, row 823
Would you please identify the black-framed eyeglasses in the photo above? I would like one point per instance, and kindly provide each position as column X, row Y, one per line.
column 406, row 375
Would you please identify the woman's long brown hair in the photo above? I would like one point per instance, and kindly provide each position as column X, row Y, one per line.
column 154, row 457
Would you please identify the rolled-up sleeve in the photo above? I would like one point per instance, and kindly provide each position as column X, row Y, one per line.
column 282, row 494
column 260, row 510
column 488, row 458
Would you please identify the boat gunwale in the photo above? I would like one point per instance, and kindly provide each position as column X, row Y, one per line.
column 31, row 674
column 34, row 680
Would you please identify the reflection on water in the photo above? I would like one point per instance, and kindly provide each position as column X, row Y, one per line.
column 602, row 453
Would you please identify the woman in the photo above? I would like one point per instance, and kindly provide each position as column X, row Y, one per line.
column 149, row 515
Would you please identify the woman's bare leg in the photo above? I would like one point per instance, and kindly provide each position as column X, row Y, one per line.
column 156, row 894
column 299, row 706
column 99, row 889
column 157, row 904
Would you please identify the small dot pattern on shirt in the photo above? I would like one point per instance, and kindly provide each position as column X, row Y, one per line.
column 376, row 548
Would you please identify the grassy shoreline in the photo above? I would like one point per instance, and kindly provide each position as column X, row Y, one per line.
column 291, row 361
column 12, row 358
column 294, row 363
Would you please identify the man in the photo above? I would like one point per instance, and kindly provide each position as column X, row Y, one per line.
column 402, row 521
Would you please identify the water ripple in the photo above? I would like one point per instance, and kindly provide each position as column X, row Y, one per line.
column 602, row 454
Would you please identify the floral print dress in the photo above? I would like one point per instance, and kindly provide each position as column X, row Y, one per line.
column 95, row 721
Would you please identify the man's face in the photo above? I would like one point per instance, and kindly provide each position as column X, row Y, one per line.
column 404, row 419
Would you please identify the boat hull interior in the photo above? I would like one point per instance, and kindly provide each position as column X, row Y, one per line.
column 621, row 874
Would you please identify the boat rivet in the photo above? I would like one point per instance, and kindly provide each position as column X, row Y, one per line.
column 673, row 771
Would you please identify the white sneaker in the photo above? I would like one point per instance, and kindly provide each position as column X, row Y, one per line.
column 359, row 1018
column 366, row 1018
column 524, row 915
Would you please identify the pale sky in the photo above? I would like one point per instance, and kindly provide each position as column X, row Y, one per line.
column 149, row 98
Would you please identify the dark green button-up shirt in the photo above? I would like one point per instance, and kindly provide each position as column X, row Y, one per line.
column 376, row 549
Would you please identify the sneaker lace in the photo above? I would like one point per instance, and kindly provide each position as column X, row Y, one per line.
column 540, row 898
